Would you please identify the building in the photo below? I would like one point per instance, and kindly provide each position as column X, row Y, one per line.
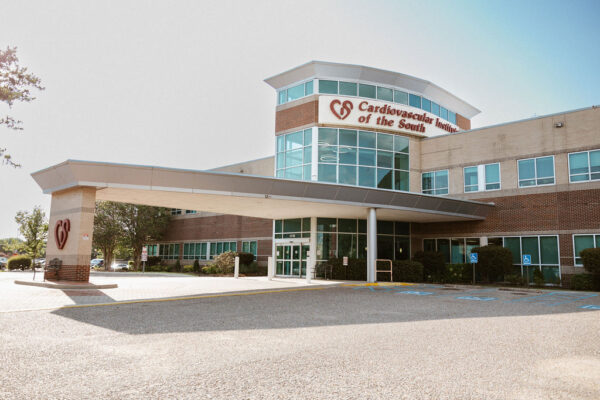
column 377, row 164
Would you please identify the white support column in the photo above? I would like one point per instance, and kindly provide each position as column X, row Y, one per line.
column 270, row 268
column 312, row 251
column 483, row 241
column 236, row 268
column 371, row 245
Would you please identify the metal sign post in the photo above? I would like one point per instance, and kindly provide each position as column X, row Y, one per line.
column 144, row 257
column 474, row 260
column 526, row 264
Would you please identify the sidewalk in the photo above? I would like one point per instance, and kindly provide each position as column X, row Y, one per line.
column 132, row 286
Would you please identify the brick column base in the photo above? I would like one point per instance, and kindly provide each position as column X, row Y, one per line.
column 78, row 273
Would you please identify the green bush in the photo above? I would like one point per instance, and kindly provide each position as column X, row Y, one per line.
column 591, row 260
column 153, row 260
column 494, row 262
column 196, row 266
column 407, row 271
column 457, row 273
column 130, row 265
column 538, row 277
column 245, row 258
column 582, row 282
column 211, row 269
column 433, row 264
column 159, row 268
column 18, row 262
column 356, row 270
column 516, row 280
column 177, row 266
column 188, row 269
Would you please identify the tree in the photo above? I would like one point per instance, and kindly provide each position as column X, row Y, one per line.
column 15, row 85
column 142, row 224
column 34, row 228
column 10, row 245
column 107, row 230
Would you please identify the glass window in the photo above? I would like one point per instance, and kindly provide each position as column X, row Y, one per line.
column 385, row 94
column 385, row 227
column 348, row 175
column 347, row 225
column 429, row 244
column 400, row 97
column 307, row 155
column 365, row 90
column 427, row 182
column 295, row 92
column 347, row 155
column 282, row 97
column 326, row 225
column 347, row 137
column 414, row 100
column 328, row 153
column 366, row 157
column 514, row 245
column 582, row 242
column 471, row 180
column 452, row 117
column 536, row 171
column 294, row 173
column 401, row 161
column 293, row 158
column 443, row 246
column 366, row 176
column 327, row 173
column 529, row 245
column 328, row 87
column 426, row 104
column 435, row 182
column 308, row 89
column 458, row 251
column 492, row 176
column 385, row 159
column 307, row 137
column 328, row 136
column 292, row 225
column 584, row 166
column 549, row 250
column 400, row 144
column 348, row 88
column 444, row 113
column 435, row 108
column 366, row 139
column 385, row 142
column 384, row 178
column 280, row 143
column 293, row 140
column 401, row 180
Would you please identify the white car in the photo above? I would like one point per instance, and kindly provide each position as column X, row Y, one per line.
column 3, row 261
column 119, row 266
column 96, row 262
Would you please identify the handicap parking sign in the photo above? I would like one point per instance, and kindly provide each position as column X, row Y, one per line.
column 526, row 259
column 473, row 258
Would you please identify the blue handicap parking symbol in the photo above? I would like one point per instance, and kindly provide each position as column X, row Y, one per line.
column 414, row 292
column 477, row 298
column 526, row 259
column 591, row 307
column 474, row 258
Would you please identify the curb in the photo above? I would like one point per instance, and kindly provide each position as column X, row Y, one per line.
column 63, row 286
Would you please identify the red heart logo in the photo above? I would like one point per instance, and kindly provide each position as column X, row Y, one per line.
column 61, row 232
column 344, row 107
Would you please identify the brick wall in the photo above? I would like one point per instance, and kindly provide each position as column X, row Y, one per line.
column 463, row 122
column 219, row 227
column 80, row 273
column 297, row 116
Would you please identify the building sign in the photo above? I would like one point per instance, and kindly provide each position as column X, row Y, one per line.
column 381, row 115
column 61, row 232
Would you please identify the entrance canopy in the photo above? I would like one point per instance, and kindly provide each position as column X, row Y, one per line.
column 248, row 195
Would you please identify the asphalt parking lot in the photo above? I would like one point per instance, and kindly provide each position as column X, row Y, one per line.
column 350, row 342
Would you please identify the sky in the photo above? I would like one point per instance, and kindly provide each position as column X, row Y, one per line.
column 180, row 83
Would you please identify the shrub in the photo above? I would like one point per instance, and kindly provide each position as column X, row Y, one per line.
column 494, row 262
column 130, row 264
column 211, row 269
column 582, row 282
column 538, row 277
column 517, row 280
column 153, row 260
column 433, row 264
column 356, row 270
column 591, row 260
column 225, row 262
column 245, row 258
column 18, row 262
column 196, row 266
column 457, row 273
column 177, row 266
column 407, row 271
column 159, row 268
column 188, row 268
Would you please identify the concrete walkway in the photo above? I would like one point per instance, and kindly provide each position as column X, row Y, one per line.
column 132, row 287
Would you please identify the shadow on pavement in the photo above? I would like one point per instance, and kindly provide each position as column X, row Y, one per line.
column 298, row 309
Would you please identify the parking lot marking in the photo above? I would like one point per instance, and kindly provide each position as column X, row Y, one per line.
column 590, row 307
column 554, row 298
column 477, row 298
column 415, row 292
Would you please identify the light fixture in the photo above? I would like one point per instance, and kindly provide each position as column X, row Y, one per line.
column 559, row 124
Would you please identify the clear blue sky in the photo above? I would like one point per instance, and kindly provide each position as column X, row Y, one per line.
column 155, row 82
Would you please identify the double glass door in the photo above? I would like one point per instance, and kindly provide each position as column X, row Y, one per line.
column 291, row 259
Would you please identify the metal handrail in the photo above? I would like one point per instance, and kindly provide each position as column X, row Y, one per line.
column 383, row 270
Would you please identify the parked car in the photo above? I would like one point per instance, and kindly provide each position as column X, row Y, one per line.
column 3, row 262
column 120, row 266
column 39, row 262
column 97, row 263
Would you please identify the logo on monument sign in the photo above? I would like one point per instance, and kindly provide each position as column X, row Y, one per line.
column 344, row 108
column 61, row 232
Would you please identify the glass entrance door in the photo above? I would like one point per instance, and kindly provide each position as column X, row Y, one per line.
column 291, row 259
